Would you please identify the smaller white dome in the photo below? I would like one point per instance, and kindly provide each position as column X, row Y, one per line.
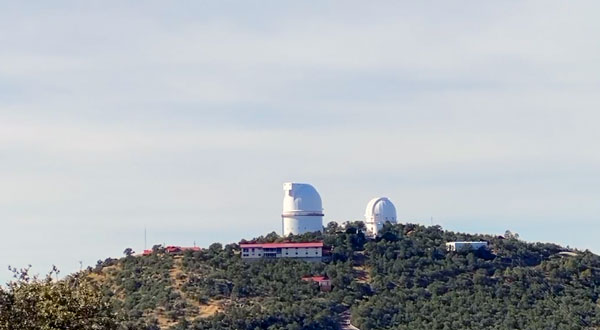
column 379, row 211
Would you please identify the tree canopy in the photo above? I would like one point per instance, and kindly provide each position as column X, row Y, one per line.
column 30, row 303
column 403, row 279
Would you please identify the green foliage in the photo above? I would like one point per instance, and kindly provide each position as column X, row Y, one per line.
column 417, row 285
column 404, row 279
column 143, row 285
column 128, row 252
column 29, row 303
column 267, row 294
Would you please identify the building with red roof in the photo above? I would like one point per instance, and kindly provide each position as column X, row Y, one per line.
column 172, row 249
column 323, row 281
column 309, row 251
column 179, row 249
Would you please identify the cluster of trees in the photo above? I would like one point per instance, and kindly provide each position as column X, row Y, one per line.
column 418, row 285
column 258, row 295
column 141, row 289
column 271, row 294
column 404, row 279
column 32, row 303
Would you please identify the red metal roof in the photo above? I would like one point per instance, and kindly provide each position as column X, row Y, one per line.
column 193, row 248
column 282, row 245
column 172, row 248
column 315, row 278
column 184, row 248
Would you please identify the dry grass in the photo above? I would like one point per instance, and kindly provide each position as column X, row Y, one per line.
column 163, row 321
column 211, row 309
column 362, row 274
column 178, row 278
column 106, row 273
column 105, row 276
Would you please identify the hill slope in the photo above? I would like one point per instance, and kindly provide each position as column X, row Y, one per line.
column 403, row 280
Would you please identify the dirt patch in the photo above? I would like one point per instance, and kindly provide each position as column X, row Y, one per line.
column 362, row 274
column 105, row 273
column 176, row 273
column 164, row 322
column 210, row 309
column 178, row 278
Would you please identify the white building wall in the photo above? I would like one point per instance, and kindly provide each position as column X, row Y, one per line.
column 311, row 252
column 371, row 228
column 252, row 253
column 300, row 224
column 301, row 252
column 465, row 246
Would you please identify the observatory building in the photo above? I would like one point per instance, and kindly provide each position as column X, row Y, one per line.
column 302, row 209
column 379, row 211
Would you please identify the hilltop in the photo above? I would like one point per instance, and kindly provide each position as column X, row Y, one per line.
column 405, row 279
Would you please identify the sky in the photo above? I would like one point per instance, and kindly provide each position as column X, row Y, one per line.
column 186, row 117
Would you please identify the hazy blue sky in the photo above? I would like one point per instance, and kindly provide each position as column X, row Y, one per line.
column 186, row 117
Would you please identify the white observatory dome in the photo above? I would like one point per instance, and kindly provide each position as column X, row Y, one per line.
column 302, row 209
column 379, row 211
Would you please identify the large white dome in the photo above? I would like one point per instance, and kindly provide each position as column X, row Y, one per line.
column 379, row 211
column 302, row 209
column 301, row 198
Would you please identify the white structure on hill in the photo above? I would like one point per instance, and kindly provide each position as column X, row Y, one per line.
column 308, row 251
column 379, row 211
column 302, row 209
column 465, row 246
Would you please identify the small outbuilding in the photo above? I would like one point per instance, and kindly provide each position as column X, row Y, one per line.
column 465, row 246
column 323, row 281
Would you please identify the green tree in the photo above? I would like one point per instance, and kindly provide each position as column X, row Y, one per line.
column 128, row 252
column 30, row 303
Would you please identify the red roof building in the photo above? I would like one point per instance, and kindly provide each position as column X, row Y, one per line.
column 310, row 251
column 191, row 248
column 323, row 281
column 283, row 245
column 178, row 249
column 172, row 249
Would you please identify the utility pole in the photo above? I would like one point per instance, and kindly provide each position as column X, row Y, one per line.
column 145, row 240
